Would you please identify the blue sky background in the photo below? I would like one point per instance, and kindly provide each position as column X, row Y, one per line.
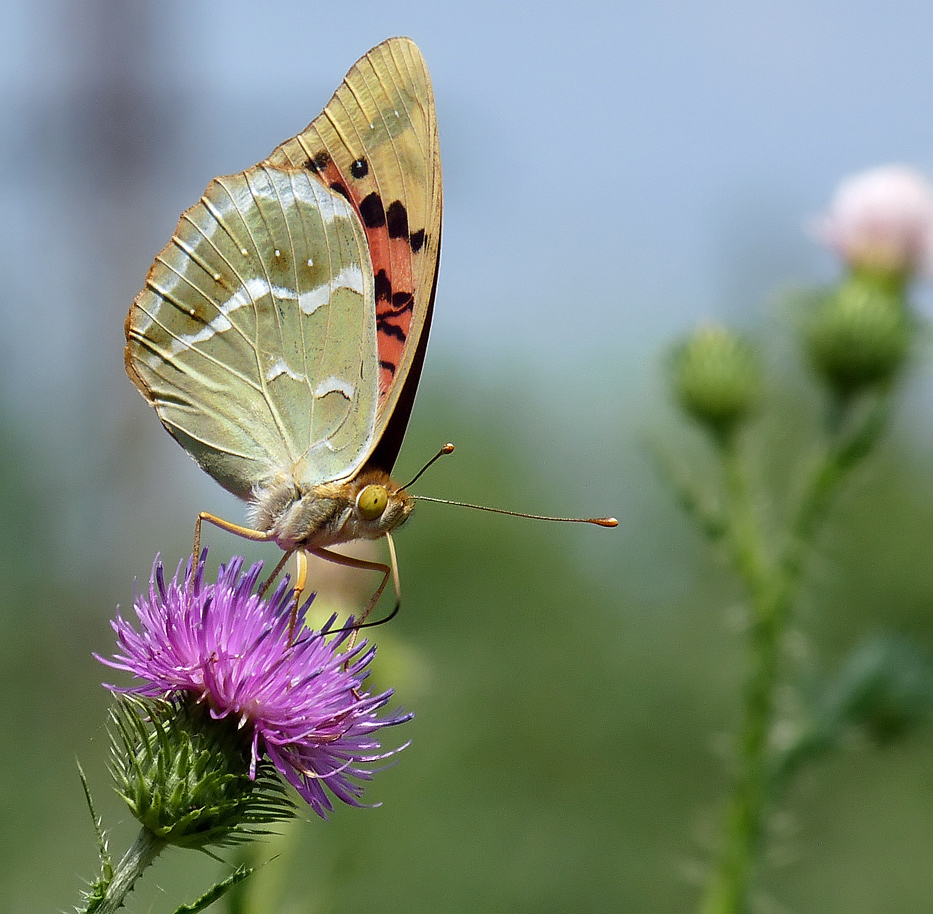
column 613, row 174
column 612, row 171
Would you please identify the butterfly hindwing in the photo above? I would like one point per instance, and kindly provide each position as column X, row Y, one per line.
column 254, row 336
column 376, row 144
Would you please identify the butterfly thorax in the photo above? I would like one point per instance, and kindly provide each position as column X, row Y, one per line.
column 365, row 507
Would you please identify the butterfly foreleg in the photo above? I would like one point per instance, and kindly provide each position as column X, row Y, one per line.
column 275, row 573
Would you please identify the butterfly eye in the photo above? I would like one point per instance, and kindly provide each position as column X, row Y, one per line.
column 372, row 501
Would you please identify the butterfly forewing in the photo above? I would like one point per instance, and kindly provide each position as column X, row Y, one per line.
column 255, row 338
column 376, row 144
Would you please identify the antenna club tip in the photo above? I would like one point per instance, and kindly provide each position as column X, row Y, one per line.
column 447, row 448
column 605, row 521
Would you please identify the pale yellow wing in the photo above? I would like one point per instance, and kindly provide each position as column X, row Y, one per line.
column 278, row 328
column 254, row 336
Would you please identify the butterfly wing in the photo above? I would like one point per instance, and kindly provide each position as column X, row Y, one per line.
column 254, row 337
column 376, row 144
column 282, row 329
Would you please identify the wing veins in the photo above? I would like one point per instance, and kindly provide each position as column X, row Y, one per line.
column 167, row 297
column 296, row 286
column 147, row 344
column 273, row 410
column 301, row 323
column 210, row 241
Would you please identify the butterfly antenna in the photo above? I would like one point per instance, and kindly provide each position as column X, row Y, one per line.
column 446, row 449
column 599, row 521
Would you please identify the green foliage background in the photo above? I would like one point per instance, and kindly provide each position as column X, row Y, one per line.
column 571, row 685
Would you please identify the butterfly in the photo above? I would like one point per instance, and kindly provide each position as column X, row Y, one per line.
column 281, row 332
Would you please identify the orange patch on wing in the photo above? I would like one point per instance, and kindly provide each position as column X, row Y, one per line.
column 391, row 259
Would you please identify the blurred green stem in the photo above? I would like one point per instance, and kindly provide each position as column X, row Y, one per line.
column 728, row 888
column 143, row 851
column 771, row 584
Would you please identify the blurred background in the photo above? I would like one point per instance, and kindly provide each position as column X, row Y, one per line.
column 614, row 173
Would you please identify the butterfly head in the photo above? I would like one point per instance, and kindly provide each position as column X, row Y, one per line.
column 379, row 504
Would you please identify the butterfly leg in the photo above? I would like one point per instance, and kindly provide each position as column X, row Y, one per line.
column 257, row 536
column 275, row 573
column 301, row 577
column 254, row 535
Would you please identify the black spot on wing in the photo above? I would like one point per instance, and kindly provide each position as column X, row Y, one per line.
column 389, row 366
column 360, row 168
column 397, row 220
column 383, row 286
column 372, row 212
column 416, row 240
column 387, row 329
column 337, row 186
column 318, row 163
column 402, row 301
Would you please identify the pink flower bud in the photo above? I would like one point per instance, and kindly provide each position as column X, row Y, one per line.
column 882, row 221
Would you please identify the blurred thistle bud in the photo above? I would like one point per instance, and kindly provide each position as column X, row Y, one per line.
column 881, row 222
column 716, row 378
column 858, row 335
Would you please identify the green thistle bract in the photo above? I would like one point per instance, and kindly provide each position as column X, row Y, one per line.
column 186, row 775
column 858, row 335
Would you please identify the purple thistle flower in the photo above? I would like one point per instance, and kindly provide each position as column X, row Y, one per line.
column 297, row 696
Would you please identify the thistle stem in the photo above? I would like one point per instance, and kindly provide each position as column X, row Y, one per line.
column 771, row 584
column 728, row 889
column 141, row 853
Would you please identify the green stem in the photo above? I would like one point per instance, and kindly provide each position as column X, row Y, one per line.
column 772, row 587
column 143, row 851
column 728, row 889
column 849, row 448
